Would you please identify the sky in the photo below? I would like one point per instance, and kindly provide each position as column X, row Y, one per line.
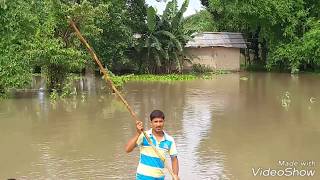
column 194, row 5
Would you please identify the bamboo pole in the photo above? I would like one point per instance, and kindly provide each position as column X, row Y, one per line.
column 109, row 81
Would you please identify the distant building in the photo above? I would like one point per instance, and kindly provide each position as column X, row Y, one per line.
column 217, row 50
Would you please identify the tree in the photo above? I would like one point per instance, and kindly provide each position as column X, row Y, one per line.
column 55, row 46
column 18, row 24
column 137, row 13
column 301, row 54
column 202, row 21
column 115, row 37
column 37, row 34
column 267, row 24
column 164, row 40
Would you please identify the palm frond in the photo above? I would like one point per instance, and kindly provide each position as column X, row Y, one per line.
column 151, row 19
column 170, row 10
column 155, row 42
column 164, row 53
column 173, row 38
column 177, row 20
column 184, row 6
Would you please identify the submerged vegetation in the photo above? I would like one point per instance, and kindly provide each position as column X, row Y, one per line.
column 69, row 89
column 119, row 81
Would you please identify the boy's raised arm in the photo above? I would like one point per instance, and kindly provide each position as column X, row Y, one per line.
column 131, row 144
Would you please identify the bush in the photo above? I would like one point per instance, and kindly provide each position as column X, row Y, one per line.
column 200, row 68
column 300, row 54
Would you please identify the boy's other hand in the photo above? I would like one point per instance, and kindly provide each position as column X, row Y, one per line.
column 176, row 177
column 139, row 126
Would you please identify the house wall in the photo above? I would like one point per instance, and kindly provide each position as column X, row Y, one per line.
column 217, row 58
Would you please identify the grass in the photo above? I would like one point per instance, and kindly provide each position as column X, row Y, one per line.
column 119, row 81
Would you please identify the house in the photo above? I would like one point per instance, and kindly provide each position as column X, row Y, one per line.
column 216, row 50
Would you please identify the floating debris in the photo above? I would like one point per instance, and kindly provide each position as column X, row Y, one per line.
column 312, row 100
column 83, row 97
column 285, row 100
column 244, row 78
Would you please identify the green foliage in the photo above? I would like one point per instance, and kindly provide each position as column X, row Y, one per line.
column 69, row 88
column 37, row 34
column 200, row 68
column 278, row 31
column 55, row 47
column 202, row 21
column 301, row 54
column 136, row 15
column 159, row 50
column 121, row 80
column 168, row 77
column 116, row 36
column 54, row 95
column 151, row 19
column 18, row 24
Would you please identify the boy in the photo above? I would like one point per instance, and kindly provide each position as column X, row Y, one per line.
column 150, row 165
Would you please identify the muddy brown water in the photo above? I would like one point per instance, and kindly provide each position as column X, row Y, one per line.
column 235, row 126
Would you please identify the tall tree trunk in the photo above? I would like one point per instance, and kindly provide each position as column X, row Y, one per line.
column 255, row 45
column 264, row 51
column 247, row 57
column 2, row 91
column 56, row 77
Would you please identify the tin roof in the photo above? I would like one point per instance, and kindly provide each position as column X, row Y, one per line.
column 217, row 39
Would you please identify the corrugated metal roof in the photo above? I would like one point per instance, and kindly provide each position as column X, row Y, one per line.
column 217, row 39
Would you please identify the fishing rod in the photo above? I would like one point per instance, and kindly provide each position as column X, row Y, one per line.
column 109, row 81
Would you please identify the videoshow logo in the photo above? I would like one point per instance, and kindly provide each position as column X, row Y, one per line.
column 283, row 172
column 288, row 169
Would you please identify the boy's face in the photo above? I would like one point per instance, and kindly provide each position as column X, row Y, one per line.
column 157, row 124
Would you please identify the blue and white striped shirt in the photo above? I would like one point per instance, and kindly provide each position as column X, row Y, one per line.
column 150, row 166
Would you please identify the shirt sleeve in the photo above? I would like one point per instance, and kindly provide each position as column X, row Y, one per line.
column 140, row 140
column 173, row 149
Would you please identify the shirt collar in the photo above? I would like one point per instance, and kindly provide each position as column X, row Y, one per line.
column 149, row 132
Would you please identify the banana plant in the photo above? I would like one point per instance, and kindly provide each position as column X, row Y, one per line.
column 165, row 38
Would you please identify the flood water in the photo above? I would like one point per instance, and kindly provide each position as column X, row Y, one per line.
column 224, row 128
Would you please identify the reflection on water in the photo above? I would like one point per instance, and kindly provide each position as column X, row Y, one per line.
column 223, row 127
column 204, row 100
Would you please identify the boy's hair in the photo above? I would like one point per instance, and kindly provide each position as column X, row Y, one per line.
column 156, row 114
